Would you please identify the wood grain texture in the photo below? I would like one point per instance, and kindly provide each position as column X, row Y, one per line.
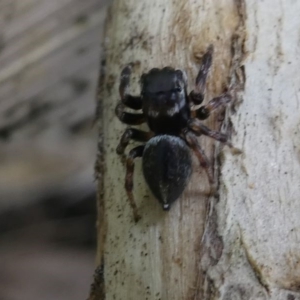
column 160, row 257
column 259, row 208
column 49, row 62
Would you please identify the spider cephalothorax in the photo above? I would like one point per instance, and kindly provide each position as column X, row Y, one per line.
column 165, row 106
column 164, row 100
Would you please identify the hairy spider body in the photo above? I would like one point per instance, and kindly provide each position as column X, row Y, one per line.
column 165, row 102
column 165, row 106
column 167, row 166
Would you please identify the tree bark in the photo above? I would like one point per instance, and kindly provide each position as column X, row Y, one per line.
column 243, row 242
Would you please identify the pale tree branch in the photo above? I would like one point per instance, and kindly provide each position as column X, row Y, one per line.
column 242, row 242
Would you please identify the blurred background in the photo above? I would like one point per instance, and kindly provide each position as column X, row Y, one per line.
column 50, row 52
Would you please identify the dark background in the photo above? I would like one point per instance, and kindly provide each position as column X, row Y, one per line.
column 50, row 52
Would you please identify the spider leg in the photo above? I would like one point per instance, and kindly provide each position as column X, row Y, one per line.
column 128, row 118
column 191, row 140
column 198, row 128
column 134, row 153
column 204, row 111
column 197, row 95
column 132, row 134
column 134, row 102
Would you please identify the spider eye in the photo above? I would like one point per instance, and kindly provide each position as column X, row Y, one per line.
column 178, row 89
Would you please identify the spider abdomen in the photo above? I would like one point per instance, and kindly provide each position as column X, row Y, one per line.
column 167, row 167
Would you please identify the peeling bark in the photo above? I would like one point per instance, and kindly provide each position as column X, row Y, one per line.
column 258, row 209
column 242, row 243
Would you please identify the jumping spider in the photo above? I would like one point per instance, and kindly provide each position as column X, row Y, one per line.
column 165, row 106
